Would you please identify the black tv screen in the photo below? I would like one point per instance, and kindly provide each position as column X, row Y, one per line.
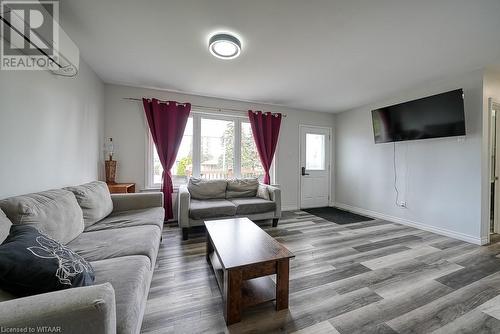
column 440, row 115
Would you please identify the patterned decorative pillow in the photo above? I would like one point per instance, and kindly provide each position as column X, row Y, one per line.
column 32, row 263
column 262, row 192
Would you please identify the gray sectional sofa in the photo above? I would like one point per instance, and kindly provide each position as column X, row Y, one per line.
column 202, row 200
column 120, row 236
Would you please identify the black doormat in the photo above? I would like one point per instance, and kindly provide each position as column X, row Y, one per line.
column 337, row 216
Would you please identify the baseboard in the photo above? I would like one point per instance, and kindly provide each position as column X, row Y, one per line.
column 421, row 226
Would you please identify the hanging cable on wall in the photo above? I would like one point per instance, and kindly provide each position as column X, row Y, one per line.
column 395, row 174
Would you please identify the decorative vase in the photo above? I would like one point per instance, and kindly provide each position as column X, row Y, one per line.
column 110, row 166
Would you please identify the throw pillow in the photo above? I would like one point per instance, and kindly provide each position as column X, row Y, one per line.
column 262, row 192
column 32, row 263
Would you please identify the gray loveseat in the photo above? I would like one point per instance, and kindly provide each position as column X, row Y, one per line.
column 120, row 236
column 202, row 200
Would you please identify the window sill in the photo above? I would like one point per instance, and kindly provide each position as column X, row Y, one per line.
column 150, row 190
column 154, row 189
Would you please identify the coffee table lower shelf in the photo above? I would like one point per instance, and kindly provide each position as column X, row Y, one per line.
column 253, row 291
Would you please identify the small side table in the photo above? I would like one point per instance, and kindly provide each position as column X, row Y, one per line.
column 121, row 188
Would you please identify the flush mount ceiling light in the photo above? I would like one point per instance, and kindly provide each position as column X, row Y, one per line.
column 224, row 46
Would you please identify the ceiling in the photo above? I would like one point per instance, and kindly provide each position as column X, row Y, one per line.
column 322, row 55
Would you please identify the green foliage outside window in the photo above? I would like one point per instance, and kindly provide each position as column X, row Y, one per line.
column 182, row 165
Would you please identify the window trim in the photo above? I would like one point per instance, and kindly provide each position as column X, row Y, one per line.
column 149, row 162
column 197, row 115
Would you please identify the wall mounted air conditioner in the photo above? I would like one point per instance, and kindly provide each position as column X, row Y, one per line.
column 65, row 56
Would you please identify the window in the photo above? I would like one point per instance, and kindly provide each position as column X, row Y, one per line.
column 315, row 151
column 217, row 149
column 183, row 166
column 213, row 147
column 250, row 160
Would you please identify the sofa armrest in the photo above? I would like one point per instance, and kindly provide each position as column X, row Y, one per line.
column 82, row 310
column 275, row 196
column 184, row 199
column 123, row 202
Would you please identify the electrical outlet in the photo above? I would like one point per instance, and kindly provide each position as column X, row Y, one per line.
column 402, row 204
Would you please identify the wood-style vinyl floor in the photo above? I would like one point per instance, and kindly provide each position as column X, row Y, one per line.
column 368, row 277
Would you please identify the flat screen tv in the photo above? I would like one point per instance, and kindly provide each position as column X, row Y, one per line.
column 440, row 115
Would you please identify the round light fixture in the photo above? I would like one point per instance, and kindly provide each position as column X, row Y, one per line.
column 224, row 46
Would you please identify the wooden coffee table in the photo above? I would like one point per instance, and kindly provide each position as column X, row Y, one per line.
column 243, row 256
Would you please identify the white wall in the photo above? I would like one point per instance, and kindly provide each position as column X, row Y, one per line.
column 440, row 179
column 124, row 122
column 51, row 130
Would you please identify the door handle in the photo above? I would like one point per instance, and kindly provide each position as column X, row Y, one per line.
column 304, row 171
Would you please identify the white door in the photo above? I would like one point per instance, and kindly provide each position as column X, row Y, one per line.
column 495, row 147
column 314, row 166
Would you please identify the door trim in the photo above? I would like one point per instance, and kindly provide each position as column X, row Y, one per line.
column 486, row 173
column 299, row 177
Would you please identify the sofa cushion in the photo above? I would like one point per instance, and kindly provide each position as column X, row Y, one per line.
column 130, row 277
column 5, row 224
column 55, row 213
column 211, row 208
column 207, row 189
column 105, row 244
column 140, row 217
column 94, row 199
column 248, row 206
column 32, row 263
column 242, row 188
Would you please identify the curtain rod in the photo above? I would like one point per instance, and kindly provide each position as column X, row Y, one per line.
column 201, row 106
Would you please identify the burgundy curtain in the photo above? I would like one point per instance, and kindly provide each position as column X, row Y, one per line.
column 265, row 129
column 167, row 121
